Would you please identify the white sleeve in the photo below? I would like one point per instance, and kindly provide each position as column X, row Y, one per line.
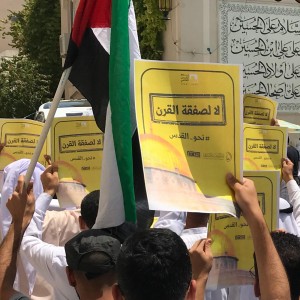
column 45, row 258
column 50, row 262
column 294, row 199
column 173, row 220
column 36, row 225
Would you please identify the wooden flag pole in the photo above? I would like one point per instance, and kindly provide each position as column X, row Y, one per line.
column 46, row 128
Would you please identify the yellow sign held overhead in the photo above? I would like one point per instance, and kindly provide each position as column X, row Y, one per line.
column 76, row 146
column 189, row 122
column 232, row 245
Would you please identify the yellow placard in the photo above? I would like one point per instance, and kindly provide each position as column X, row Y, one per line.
column 189, row 123
column 19, row 137
column 76, row 146
column 232, row 242
column 264, row 147
column 259, row 110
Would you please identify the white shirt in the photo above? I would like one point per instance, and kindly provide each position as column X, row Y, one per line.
column 48, row 260
column 294, row 199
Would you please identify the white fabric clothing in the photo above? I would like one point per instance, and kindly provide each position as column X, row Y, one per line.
column 48, row 260
column 283, row 190
column 241, row 292
column 287, row 220
column 192, row 235
column 25, row 276
column 173, row 220
column 294, row 199
column 60, row 226
column 10, row 178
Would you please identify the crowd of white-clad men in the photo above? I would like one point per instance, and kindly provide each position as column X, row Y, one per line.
column 48, row 254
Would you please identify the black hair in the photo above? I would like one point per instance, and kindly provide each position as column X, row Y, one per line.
column 154, row 264
column 89, row 208
column 288, row 248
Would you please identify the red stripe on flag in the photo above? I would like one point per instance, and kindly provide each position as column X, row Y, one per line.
column 88, row 16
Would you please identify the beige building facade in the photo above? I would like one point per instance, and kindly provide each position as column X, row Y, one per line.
column 191, row 33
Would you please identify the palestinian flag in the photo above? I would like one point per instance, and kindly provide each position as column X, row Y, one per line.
column 88, row 54
column 101, row 51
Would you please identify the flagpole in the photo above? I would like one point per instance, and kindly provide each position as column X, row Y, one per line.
column 47, row 125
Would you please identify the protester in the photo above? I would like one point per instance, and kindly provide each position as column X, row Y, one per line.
column 293, row 156
column 191, row 227
column 155, row 264
column 60, row 226
column 91, row 258
column 288, row 248
column 49, row 260
column 292, row 188
column 10, row 177
column 273, row 281
column 21, row 207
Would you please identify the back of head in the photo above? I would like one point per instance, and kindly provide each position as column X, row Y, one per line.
column 89, row 208
column 93, row 252
column 288, row 248
column 154, row 264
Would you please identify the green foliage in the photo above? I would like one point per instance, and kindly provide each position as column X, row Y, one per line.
column 35, row 33
column 150, row 28
column 22, row 87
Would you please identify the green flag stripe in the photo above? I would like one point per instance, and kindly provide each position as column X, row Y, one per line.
column 119, row 95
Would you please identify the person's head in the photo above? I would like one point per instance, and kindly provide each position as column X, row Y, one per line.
column 91, row 258
column 89, row 210
column 288, row 248
column 153, row 264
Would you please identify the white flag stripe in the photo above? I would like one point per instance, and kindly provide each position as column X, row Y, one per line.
column 103, row 36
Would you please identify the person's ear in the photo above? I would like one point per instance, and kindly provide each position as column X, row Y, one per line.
column 71, row 277
column 256, row 288
column 116, row 292
column 82, row 224
column 191, row 293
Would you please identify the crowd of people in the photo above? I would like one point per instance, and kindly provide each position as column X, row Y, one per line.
column 59, row 255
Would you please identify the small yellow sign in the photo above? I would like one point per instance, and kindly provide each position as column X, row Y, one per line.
column 259, row 110
column 76, row 146
column 264, row 147
column 19, row 138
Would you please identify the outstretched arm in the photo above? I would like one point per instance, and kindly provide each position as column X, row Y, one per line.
column 273, row 280
column 21, row 207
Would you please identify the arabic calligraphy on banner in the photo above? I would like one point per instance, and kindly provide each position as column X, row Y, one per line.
column 233, row 246
column 266, row 40
column 20, row 137
column 259, row 110
column 189, row 124
column 264, row 147
column 76, row 146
